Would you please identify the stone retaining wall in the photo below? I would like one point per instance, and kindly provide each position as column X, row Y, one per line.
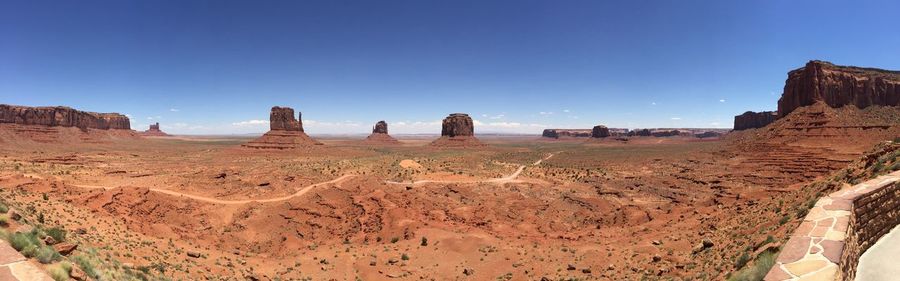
column 838, row 229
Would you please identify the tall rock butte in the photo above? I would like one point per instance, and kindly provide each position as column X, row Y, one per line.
column 838, row 86
column 457, row 130
column 154, row 131
column 752, row 120
column 600, row 131
column 285, row 132
column 380, row 134
column 61, row 116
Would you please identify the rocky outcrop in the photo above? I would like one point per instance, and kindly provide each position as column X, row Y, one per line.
column 285, row 132
column 61, row 116
column 600, row 131
column 380, row 134
column 752, row 120
column 154, row 131
column 838, row 86
column 458, row 130
column 639, row 133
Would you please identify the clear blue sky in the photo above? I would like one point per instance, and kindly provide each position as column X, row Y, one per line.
column 202, row 67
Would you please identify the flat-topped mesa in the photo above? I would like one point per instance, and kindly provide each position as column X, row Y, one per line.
column 457, row 130
column 380, row 134
column 282, row 119
column 600, row 131
column 566, row 133
column 752, row 120
column 838, row 86
column 61, row 116
column 285, row 132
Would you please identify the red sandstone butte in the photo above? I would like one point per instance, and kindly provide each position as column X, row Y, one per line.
column 380, row 134
column 838, row 86
column 154, row 131
column 457, row 130
column 285, row 132
column 600, row 131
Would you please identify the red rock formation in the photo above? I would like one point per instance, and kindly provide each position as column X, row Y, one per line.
column 154, row 131
column 751, row 120
column 838, row 86
column 285, row 132
column 380, row 134
column 458, row 130
column 63, row 117
column 566, row 133
column 600, row 131
column 639, row 133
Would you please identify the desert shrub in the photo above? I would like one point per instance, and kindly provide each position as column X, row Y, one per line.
column 30, row 251
column 3, row 208
column 757, row 270
column 20, row 241
column 395, row 239
column 58, row 273
column 47, row 255
column 4, row 220
column 404, row 256
column 784, row 219
column 741, row 261
column 87, row 266
column 57, row 233
column 424, row 241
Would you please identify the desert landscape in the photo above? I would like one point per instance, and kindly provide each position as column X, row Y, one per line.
column 87, row 197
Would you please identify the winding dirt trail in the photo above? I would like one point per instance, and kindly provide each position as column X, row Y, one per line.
column 510, row 178
column 300, row 192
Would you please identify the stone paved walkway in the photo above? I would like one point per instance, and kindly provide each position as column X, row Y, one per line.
column 879, row 263
column 15, row 267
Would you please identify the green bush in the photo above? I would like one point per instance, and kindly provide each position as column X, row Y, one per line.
column 47, row 255
column 757, row 271
column 57, row 233
column 4, row 220
column 87, row 266
column 3, row 208
column 20, row 241
column 741, row 261
column 58, row 273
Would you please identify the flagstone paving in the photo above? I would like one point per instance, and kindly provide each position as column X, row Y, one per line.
column 15, row 267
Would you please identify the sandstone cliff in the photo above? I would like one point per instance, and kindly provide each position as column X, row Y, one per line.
column 751, row 120
column 838, row 86
column 560, row 133
column 154, row 131
column 600, row 131
column 62, row 116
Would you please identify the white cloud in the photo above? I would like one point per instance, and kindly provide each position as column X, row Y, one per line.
column 173, row 109
column 546, row 113
column 250, row 123
column 154, row 118
column 653, row 103
column 566, row 110
column 714, row 124
column 675, row 118
column 722, row 100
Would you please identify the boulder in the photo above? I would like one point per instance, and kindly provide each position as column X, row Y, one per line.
column 838, row 86
column 63, row 117
column 752, row 120
column 600, row 131
column 65, row 248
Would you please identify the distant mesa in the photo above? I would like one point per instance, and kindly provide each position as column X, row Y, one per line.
column 285, row 132
column 600, row 131
column 61, row 116
column 752, row 120
column 834, row 86
column 566, row 133
column 154, row 131
column 380, row 134
column 457, row 130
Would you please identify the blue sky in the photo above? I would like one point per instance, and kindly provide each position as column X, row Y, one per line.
column 216, row 67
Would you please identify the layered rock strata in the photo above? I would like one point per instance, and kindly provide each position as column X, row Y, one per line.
column 380, row 134
column 838, row 86
column 752, row 120
column 61, row 116
column 285, row 132
column 457, row 130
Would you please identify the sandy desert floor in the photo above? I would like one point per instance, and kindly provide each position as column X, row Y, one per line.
column 519, row 209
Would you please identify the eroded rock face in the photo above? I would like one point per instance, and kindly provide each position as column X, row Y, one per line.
column 558, row 133
column 154, row 131
column 63, row 117
column 600, row 131
column 639, row 133
column 380, row 128
column 282, row 119
column 838, row 86
column 458, row 124
column 751, row 120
